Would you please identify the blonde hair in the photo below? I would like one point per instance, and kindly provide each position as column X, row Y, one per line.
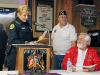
column 23, row 8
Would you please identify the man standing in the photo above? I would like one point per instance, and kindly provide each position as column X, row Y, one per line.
column 63, row 37
column 82, row 55
column 3, row 43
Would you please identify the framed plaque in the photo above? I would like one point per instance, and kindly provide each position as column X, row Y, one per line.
column 34, row 61
column 44, row 14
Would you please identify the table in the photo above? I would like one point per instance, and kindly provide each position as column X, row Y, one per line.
column 8, row 72
column 64, row 72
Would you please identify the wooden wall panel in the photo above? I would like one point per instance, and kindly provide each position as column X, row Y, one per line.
column 76, row 18
column 35, row 34
column 73, row 17
column 67, row 5
column 58, row 5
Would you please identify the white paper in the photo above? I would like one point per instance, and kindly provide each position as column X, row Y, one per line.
column 44, row 34
column 89, row 66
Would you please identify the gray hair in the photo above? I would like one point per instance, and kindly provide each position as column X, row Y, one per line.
column 87, row 37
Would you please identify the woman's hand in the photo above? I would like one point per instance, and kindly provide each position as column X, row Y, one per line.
column 40, row 37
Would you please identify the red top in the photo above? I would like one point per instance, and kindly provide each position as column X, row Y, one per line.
column 91, row 57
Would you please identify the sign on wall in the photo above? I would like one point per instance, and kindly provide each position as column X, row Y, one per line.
column 44, row 14
column 88, row 17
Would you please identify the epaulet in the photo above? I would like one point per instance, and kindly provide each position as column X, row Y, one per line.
column 17, row 22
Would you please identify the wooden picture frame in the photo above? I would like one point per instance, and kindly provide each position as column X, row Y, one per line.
column 44, row 15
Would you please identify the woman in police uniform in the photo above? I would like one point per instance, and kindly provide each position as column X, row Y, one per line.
column 19, row 32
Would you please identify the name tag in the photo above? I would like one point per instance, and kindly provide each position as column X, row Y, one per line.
column 23, row 27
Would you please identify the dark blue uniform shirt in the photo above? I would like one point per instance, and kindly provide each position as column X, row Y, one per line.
column 19, row 32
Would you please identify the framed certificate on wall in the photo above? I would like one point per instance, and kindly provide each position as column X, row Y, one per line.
column 44, row 14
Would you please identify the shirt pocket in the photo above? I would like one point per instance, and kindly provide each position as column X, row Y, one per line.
column 25, row 33
column 65, row 34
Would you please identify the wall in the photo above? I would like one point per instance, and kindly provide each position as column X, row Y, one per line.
column 76, row 18
column 58, row 5
column 73, row 17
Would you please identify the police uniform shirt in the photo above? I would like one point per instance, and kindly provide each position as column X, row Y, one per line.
column 19, row 32
column 62, row 38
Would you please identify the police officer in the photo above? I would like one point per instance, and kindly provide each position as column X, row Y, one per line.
column 3, row 43
column 19, row 32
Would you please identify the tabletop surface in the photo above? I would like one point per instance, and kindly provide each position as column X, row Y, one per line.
column 64, row 72
column 8, row 72
column 33, row 45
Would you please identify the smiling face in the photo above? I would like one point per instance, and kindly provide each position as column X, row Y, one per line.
column 23, row 16
column 23, row 12
column 81, row 42
column 62, row 20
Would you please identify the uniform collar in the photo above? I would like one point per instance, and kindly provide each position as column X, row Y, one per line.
column 18, row 20
column 66, row 26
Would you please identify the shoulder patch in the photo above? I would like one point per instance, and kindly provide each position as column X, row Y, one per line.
column 12, row 26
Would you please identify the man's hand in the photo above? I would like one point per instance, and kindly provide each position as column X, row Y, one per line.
column 32, row 42
column 73, row 68
column 89, row 69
